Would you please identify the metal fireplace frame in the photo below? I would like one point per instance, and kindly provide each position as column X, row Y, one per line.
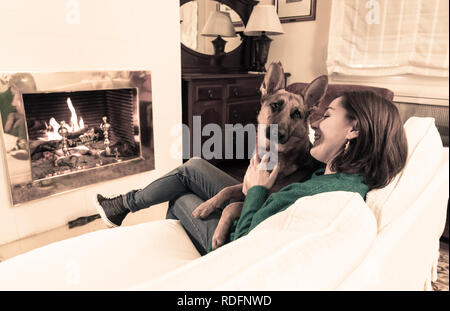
column 22, row 187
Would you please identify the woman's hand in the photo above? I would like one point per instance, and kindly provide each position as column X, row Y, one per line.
column 257, row 175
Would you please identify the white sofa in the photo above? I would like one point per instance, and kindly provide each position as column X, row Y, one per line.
column 330, row 241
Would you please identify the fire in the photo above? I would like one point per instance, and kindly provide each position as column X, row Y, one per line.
column 74, row 126
column 73, row 118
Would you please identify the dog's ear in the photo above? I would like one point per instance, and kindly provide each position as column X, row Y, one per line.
column 315, row 92
column 273, row 80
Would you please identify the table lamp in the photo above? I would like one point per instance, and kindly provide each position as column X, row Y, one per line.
column 263, row 21
column 218, row 25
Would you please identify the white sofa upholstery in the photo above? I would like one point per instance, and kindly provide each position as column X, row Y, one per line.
column 301, row 248
column 330, row 241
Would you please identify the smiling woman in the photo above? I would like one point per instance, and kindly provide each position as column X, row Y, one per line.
column 367, row 137
column 335, row 131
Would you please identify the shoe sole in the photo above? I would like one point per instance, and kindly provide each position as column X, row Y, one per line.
column 100, row 210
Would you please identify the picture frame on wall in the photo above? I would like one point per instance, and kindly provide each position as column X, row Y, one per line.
column 296, row 10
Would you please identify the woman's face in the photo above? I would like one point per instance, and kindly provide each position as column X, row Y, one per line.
column 331, row 132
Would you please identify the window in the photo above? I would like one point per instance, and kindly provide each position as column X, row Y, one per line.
column 402, row 45
column 389, row 37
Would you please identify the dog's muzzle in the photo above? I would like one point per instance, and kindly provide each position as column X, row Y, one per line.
column 282, row 134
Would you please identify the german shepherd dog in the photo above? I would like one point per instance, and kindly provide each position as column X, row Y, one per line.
column 290, row 112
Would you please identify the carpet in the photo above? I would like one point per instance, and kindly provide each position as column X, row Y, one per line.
column 441, row 283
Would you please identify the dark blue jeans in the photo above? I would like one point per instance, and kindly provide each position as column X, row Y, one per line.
column 186, row 187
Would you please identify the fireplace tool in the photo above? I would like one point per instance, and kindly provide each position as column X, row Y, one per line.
column 63, row 131
column 105, row 126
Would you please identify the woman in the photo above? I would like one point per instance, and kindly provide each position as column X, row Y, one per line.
column 360, row 139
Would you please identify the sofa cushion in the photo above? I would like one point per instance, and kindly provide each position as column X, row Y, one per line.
column 424, row 154
column 312, row 245
column 108, row 259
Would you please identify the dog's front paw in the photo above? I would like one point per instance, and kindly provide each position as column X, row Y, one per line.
column 230, row 213
column 219, row 236
column 204, row 210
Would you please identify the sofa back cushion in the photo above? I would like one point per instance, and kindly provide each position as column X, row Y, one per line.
column 424, row 154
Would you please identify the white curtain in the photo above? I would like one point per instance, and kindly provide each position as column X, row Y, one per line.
column 389, row 37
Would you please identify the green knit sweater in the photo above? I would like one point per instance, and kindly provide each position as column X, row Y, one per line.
column 256, row 208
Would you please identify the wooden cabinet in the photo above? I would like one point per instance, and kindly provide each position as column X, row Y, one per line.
column 219, row 99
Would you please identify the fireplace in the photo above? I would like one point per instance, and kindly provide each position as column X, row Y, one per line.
column 85, row 140
column 63, row 131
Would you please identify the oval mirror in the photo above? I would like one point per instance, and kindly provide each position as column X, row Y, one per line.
column 193, row 17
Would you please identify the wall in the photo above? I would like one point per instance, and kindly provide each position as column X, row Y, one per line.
column 111, row 34
column 302, row 49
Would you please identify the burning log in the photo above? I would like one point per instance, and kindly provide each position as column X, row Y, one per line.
column 77, row 133
column 71, row 160
column 38, row 147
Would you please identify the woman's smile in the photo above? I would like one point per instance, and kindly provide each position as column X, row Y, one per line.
column 317, row 137
column 331, row 132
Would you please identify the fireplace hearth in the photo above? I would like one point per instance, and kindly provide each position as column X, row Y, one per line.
column 63, row 131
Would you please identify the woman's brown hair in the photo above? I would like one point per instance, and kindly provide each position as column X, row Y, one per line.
column 380, row 151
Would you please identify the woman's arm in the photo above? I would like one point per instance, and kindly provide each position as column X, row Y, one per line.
column 257, row 182
column 255, row 198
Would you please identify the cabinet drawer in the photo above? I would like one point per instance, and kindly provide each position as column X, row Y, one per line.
column 244, row 112
column 200, row 107
column 209, row 92
column 246, row 89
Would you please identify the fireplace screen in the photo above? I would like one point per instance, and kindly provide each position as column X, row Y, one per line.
column 92, row 128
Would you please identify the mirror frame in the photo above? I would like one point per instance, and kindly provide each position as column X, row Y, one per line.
column 195, row 62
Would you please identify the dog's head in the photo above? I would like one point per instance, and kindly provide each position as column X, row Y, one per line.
column 288, row 110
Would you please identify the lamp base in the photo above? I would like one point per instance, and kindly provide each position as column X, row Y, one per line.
column 219, row 52
column 262, row 51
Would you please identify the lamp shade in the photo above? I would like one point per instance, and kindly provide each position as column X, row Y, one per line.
column 263, row 18
column 219, row 24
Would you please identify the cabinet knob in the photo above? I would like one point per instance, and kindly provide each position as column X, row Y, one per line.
column 235, row 92
column 234, row 113
column 210, row 93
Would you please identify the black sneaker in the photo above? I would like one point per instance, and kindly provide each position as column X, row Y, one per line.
column 111, row 210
